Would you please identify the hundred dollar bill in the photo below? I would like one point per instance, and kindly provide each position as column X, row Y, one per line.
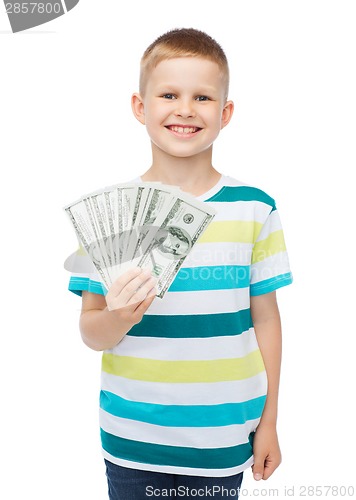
column 78, row 215
column 110, row 214
column 159, row 201
column 151, row 225
column 113, row 211
column 129, row 199
column 187, row 219
column 112, row 222
column 135, row 204
column 100, row 239
column 102, row 218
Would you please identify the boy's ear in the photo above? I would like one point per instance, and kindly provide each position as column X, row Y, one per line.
column 138, row 107
column 227, row 113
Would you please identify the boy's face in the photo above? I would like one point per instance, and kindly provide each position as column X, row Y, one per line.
column 184, row 106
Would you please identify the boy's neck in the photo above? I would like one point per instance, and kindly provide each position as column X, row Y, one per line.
column 194, row 175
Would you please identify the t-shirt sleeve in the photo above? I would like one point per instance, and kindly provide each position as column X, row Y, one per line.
column 270, row 267
column 83, row 274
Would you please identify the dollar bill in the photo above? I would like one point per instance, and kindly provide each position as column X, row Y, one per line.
column 80, row 220
column 185, row 222
column 150, row 225
column 159, row 202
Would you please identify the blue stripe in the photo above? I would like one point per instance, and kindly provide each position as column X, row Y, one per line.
column 211, row 278
column 178, row 456
column 193, row 325
column 183, row 415
column 271, row 284
column 243, row 193
column 77, row 284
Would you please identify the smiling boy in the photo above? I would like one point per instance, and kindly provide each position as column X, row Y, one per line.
column 184, row 108
column 183, row 103
column 190, row 382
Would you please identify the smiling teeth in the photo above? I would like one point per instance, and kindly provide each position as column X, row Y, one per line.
column 184, row 130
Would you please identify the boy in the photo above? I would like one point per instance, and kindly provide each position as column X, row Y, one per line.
column 184, row 404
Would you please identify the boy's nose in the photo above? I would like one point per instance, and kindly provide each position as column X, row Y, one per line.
column 185, row 108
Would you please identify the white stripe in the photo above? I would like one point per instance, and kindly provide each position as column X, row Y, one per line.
column 191, row 437
column 187, row 349
column 234, row 391
column 269, row 268
column 232, row 181
column 201, row 302
column 219, row 254
column 252, row 211
column 188, row 471
column 91, row 276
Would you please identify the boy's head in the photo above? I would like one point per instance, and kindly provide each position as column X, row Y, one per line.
column 184, row 42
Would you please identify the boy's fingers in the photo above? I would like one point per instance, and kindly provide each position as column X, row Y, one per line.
column 137, row 304
column 124, row 279
column 152, row 292
column 131, row 288
column 258, row 468
column 141, row 293
column 145, row 304
column 127, row 285
column 268, row 472
column 139, row 286
column 271, row 465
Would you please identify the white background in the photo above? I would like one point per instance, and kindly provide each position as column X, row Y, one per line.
column 67, row 128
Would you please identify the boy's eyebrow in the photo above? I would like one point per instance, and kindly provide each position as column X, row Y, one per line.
column 173, row 87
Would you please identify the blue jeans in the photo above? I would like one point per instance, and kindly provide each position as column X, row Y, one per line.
column 133, row 484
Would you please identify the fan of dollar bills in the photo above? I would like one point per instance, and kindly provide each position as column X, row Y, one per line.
column 147, row 224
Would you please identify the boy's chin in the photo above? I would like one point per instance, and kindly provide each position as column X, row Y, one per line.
column 182, row 152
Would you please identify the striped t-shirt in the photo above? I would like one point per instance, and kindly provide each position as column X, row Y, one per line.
column 184, row 390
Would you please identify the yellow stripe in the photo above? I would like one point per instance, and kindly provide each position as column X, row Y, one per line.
column 270, row 246
column 152, row 370
column 231, row 230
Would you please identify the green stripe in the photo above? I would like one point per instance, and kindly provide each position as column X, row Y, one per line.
column 157, row 370
column 194, row 325
column 179, row 456
column 243, row 193
column 77, row 284
column 211, row 278
column 271, row 284
column 216, row 415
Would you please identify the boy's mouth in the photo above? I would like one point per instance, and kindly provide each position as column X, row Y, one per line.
column 183, row 130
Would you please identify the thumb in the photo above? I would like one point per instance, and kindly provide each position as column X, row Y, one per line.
column 258, row 468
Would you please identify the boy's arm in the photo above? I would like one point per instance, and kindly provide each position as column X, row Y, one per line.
column 267, row 324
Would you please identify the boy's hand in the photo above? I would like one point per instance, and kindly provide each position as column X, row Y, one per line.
column 135, row 285
column 104, row 321
column 267, row 454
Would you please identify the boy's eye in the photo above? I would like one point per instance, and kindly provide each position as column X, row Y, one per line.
column 202, row 98
column 169, row 96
